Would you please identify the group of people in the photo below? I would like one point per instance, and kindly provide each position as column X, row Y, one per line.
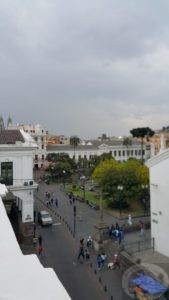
column 84, row 253
column 101, row 258
column 71, row 198
column 117, row 232
column 50, row 199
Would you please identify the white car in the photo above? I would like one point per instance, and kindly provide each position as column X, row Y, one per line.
column 44, row 218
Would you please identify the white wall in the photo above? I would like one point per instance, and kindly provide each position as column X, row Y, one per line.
column 159, row 190
column 22, row 172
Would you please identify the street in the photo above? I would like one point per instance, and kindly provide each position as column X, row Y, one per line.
column 61, row 248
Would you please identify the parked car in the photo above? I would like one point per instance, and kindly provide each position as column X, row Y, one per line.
column 44, row 218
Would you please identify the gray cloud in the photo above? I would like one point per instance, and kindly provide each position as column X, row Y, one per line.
column 85, row 67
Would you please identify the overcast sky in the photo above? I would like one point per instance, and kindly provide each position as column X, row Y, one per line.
column 85, row 67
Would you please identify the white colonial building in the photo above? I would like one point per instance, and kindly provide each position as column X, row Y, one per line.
column 39, row 134
column 116, row 147
column 16, row 172
column 23, row 276
column 159, row 195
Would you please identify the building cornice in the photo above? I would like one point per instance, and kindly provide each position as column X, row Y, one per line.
column 158, row 158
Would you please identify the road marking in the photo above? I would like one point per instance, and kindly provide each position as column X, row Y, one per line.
column 57, row 224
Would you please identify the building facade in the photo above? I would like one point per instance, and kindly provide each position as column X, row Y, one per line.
column 16, row 172
column 159, row 191
column 39, row 134
column 118, row 150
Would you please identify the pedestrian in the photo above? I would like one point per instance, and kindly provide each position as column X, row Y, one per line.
column 81, row 250
column 116, row 261
column 89, row 242
column 87, row 255
column 103, row 258
column 51, row 200
column 99, row 262
column 129, row 220
column 56, row 202
column 40, row 249
column 117, row 226
column 40, row 240
column 141, row 228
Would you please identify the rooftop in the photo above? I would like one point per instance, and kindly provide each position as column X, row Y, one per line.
column 10, row 137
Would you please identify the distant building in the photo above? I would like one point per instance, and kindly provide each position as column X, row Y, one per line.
column 60, row 139
column 119, row 151
column 16, row 172
column 39, row 134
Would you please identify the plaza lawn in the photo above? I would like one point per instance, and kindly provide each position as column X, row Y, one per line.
column 92, row 197
column 136, row 208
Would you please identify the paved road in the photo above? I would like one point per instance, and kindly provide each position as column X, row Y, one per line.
column 60, row 253
column 61, row 249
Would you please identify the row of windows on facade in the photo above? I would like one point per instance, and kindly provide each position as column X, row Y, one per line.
column 115, row 153
column 42, row 157
column 120, row 153
column 33, row 131
column 36, row 139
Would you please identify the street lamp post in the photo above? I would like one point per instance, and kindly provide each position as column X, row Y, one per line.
column 101, row 208
column 83, row 178
column 74, row 214
column 144, row 199
column 120, row 189
column 64, row 172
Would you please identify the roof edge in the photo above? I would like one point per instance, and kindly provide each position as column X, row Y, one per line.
column 155, row 160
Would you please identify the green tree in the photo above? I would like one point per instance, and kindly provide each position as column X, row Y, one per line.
column 142, row 133
column 74, row 141
column 131, row 175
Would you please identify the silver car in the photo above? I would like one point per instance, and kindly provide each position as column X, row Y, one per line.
column 44, row 218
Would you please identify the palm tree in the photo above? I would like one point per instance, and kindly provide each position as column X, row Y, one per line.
column 141, row 133
column 74, row 141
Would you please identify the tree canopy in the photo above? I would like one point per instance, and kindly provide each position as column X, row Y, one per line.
column 142, row 132
column 131, row 175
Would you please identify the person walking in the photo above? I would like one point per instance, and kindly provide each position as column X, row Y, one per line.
column 142, row 227
column 40, row 240
column 56, row 202
column 103, row 258
column 40, row 249
column 129, row 220
column 99, row 262
column 81, row 250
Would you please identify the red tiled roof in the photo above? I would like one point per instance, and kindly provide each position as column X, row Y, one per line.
column 10, row 136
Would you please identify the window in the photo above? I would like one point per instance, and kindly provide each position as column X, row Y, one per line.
column 131, row 152
column 123, row 152
column 36, row 157
column 42, row 146
column 42, row 156
column 119, row 153
column 139, row 152
column 136, row 152
column 128, row 152
column 115, row 153
column 7, row 172
column 42, row 139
